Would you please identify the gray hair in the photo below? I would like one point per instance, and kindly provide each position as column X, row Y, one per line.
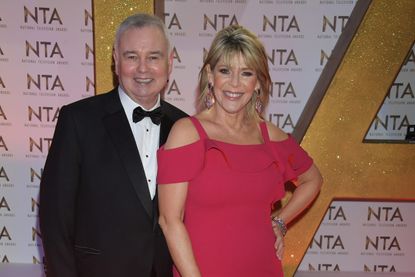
column 141, row 20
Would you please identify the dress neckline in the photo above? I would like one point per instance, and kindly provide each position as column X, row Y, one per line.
column 235, row 144
column 263, row 127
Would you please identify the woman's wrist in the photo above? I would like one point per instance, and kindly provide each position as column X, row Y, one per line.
column 280, row 224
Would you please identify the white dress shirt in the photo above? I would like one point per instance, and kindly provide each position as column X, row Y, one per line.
column 146, row 135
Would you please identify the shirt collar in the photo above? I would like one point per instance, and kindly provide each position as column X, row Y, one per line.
column 129, row 104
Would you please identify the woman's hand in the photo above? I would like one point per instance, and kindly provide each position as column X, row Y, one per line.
column 279, row 241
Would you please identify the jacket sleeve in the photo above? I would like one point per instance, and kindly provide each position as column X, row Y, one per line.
column 58, row 190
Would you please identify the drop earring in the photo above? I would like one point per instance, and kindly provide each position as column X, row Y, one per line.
column 210, row 98
column 258, row 103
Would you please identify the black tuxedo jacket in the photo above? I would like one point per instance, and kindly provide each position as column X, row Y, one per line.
column 96, row 215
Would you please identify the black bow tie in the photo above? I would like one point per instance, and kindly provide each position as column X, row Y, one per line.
column 155, row 115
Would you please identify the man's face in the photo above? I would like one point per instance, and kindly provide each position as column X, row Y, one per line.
column 143, row 64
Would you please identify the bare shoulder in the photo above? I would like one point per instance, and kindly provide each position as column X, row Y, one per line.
column 182, row 133
column 275, row 133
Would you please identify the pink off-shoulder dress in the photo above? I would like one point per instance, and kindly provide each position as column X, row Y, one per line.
column 231, row 189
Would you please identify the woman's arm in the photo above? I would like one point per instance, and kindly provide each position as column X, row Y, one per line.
column 308, row 185
column 172, row 199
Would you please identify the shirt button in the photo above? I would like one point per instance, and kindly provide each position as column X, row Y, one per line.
column 146, row 156
column 147, row 130
column 149, row 180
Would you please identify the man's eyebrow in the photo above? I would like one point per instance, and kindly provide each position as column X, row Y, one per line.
column 129, row 52
column 156, row 53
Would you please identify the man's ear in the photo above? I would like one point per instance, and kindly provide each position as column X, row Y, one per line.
column 170, row 61
column 115, row 57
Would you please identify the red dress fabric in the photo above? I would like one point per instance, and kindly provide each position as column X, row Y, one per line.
column 230, row 194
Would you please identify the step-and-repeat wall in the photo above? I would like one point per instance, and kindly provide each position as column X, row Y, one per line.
column 298, row 36
column 46, row 61
column 398, row 109
column 364, row 236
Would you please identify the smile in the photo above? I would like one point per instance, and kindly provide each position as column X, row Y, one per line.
column 143, row 81
column 233, row 94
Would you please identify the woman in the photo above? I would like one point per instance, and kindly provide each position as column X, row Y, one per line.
column 221, row 170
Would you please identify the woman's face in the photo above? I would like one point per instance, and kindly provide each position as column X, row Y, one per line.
column 234, row 84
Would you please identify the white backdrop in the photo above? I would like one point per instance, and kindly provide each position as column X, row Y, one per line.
column 46, row 60
column 364, row 236
column 298, row 36
column 398, row 109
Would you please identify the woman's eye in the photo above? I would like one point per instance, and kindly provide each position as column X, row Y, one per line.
column 247, row 73
column 224, row 70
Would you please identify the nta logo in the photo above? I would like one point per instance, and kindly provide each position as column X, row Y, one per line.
column 4, row 234
column 4, row 204
column 324, row 267
column 391, row 122
column 2, row 83
column 35, row 233
column 39, row 144
column 281, row 120
column 382, row 243
column 333, row 23
column 88, row 18
column 89, row 51
column 173, row 21
column 3, row 174
column 283, row 90
column 174, row 88
column 384, row 213
column 410, row 58
column 327, row 242
column 401, row 90
column 46, row 49
column 285, row 23
column 223, row 20
column 3, row 144
column 42, row 14
column 34, row 205
column 43, row 114
column 44, row 82
column 379, row 268
column 34, row 174
column 335, row 213
column 282, row 57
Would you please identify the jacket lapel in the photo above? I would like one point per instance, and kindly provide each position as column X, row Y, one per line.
column 166, row 123
column 120, row 133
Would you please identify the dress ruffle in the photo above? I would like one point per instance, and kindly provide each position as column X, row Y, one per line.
column 294, row 159
column 186, row 162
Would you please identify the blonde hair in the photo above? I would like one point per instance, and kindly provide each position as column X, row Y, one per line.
column 232, row 41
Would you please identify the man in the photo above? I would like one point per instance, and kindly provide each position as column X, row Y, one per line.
column 98, row 206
